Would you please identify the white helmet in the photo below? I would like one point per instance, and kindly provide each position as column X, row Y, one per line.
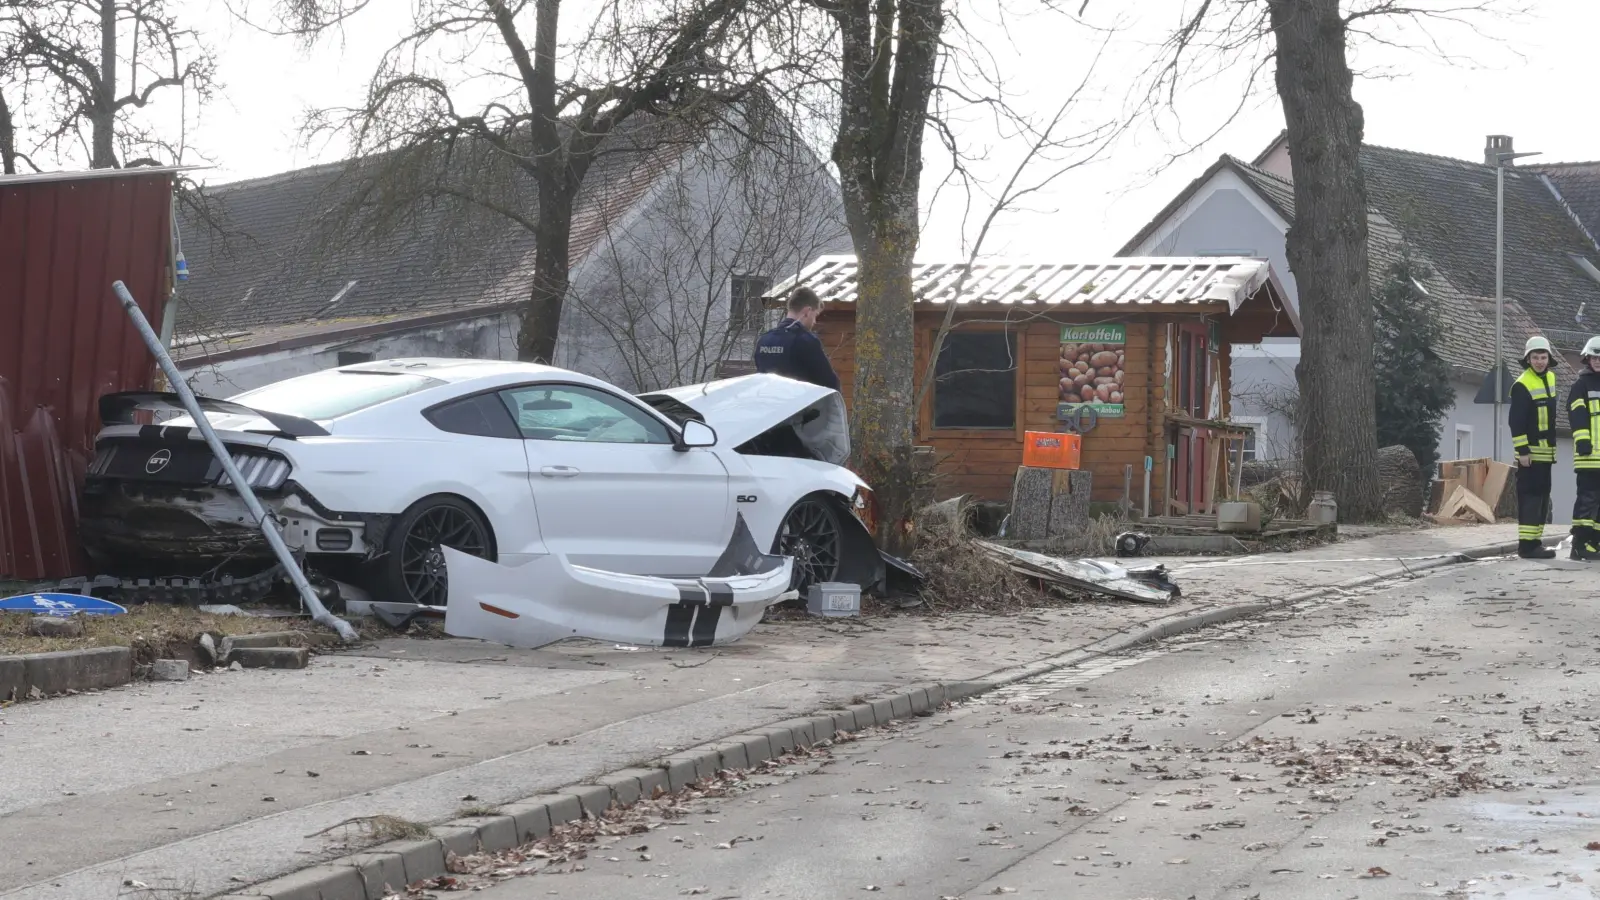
column 1535, row 343
column 1591, row 348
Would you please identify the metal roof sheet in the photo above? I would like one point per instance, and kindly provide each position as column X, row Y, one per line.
column 1124, row 281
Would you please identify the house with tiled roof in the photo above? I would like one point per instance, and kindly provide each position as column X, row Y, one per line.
column 1441, row 211
column 675, row 236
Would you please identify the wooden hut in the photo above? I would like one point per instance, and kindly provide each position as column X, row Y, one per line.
column 1133, row 352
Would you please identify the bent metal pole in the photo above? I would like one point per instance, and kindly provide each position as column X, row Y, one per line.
column 268, row 524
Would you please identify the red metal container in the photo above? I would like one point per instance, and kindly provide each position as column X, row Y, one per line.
column 64, row 341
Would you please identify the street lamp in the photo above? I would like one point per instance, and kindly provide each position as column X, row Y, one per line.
column 1500, row 157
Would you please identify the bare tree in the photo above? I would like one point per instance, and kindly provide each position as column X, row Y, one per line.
column 544, row 112
column 1306, row 43
column 735, row 215
column 93, row 65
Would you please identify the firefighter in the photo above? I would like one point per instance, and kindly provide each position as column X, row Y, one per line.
column 1583, row 413
column 1533, row 438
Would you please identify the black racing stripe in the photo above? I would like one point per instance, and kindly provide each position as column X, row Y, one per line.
column 721, row 594
column 705, row 627
column 680, row 618
column 691, row 595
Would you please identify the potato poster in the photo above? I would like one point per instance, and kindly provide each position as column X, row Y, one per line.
column 1093, row 361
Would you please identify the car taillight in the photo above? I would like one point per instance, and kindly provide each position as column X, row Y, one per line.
column 261, row 471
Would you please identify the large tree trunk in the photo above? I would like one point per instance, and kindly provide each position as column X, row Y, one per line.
column 1327, row 249
column 8, row 140
column 541, row 318
column 103, row 118
column 882, row 414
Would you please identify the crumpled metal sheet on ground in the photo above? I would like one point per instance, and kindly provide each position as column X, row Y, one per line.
column 1148, row 584
column 551, row 599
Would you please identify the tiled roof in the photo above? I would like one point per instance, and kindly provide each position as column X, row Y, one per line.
column 259, row 259
column 1579, row 186
column 1444, row 211
column 1118, row 281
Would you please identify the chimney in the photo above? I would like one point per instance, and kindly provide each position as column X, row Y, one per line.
column 1497, row 148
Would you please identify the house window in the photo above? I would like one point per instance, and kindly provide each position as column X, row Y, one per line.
column 1254, row 440
column 1464, row 442
column 975, row 381
column 745, row 311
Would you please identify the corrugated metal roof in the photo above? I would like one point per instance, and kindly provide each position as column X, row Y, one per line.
column 1166, row 281
column 64, row 341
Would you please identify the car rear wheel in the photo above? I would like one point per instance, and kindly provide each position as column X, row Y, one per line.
column 814, row 536
column 412, row 569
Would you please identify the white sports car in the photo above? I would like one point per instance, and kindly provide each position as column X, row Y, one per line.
column 371, row 468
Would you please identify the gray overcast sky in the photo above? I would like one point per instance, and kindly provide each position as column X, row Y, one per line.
column 1530, row 80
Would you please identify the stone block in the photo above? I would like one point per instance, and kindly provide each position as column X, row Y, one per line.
column 900, row 706
column 680, row 771
column 264, row 639
column 170, row 670
column 423, row 858
column 757, row 749
column 651, row 780
column 882, row 712
column 781, row 739
column 595, row 798
column 270, row 657
column 532, row 819
column 624, row 786
column 495, row 833
column 919, row 700
column 316, row 883
column 823, row 728
column 381, row 874
column 733, row 755
column 458, row 839
column 56, row 626
column 563, row 808
column 76, row 670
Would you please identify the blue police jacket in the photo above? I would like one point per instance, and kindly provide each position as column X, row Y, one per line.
column 793, row 351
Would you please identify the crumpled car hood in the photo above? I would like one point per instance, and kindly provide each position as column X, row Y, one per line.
column 744, row 408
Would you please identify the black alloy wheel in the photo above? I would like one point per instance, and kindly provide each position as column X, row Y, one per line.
column 812, row 534
column 414, row 567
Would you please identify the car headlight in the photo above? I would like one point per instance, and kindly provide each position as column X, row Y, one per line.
column 261, row 471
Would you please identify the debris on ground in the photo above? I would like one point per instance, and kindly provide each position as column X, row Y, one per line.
column 624, row 830
column 154, row 631
column 1470, row 491
column 1148, row 584
column 957, row 573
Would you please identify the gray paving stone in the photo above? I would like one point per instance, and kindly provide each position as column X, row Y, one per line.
column 882, row 712
column 382, row 874
column 423, row 858
column 532, row 819
column 866, row 715
column 624, row 786
column 919, row 700
column 781, row 738
column 733, row 755
column 495, row 833
column 757, row 749
column 900, row 706
column 564, row 808
column 458, row 839
column 649, row 780
column 595, row 798
column 316, row 883
column 680, row 771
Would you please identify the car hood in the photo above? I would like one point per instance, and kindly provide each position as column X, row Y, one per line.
column 744, row 408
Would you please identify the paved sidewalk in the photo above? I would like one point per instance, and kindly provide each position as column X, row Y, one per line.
column 217, row 783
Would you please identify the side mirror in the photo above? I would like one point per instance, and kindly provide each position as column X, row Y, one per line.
column 697, row 434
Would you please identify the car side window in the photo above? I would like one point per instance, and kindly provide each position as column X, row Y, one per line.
column 482, row 415
column 568, row 412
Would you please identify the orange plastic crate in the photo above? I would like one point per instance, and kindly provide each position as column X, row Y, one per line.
column 1051, row 450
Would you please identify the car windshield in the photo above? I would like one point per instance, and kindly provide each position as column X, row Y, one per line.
column 334, row 393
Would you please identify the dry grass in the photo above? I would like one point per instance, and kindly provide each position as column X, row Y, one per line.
column 961, row 577
column 153, row 630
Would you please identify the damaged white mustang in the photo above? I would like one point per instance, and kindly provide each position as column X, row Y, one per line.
column 404, row 477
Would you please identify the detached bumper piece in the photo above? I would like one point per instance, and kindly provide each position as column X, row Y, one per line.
column 550, row 600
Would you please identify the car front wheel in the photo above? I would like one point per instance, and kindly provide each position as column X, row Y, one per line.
column 813, row 534
column 412, row 569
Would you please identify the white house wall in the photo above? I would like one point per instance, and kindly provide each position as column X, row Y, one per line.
column 1479, row 421
column 486, row 337
column 649, row 305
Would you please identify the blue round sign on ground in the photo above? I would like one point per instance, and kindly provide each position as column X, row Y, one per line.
column 60, row 605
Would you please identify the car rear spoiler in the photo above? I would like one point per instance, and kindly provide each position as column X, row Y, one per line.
column 118, row 409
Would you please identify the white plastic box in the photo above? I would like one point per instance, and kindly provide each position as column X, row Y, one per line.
column 834, row 600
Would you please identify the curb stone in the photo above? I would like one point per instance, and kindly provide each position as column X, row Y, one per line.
column 89, row 669
column 355, row 877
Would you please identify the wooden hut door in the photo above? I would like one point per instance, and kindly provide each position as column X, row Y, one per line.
column 1194, row 392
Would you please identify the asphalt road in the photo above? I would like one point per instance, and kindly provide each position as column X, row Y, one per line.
column 1434, row 740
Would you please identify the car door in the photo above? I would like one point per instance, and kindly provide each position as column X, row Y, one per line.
column 612, row 489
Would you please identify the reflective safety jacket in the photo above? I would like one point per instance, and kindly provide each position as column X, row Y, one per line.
column 1533, row 416
column 1583, row 412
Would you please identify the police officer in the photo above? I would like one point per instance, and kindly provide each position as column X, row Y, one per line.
column 792, row 349
column 1533, row 438
column 1583, row 414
